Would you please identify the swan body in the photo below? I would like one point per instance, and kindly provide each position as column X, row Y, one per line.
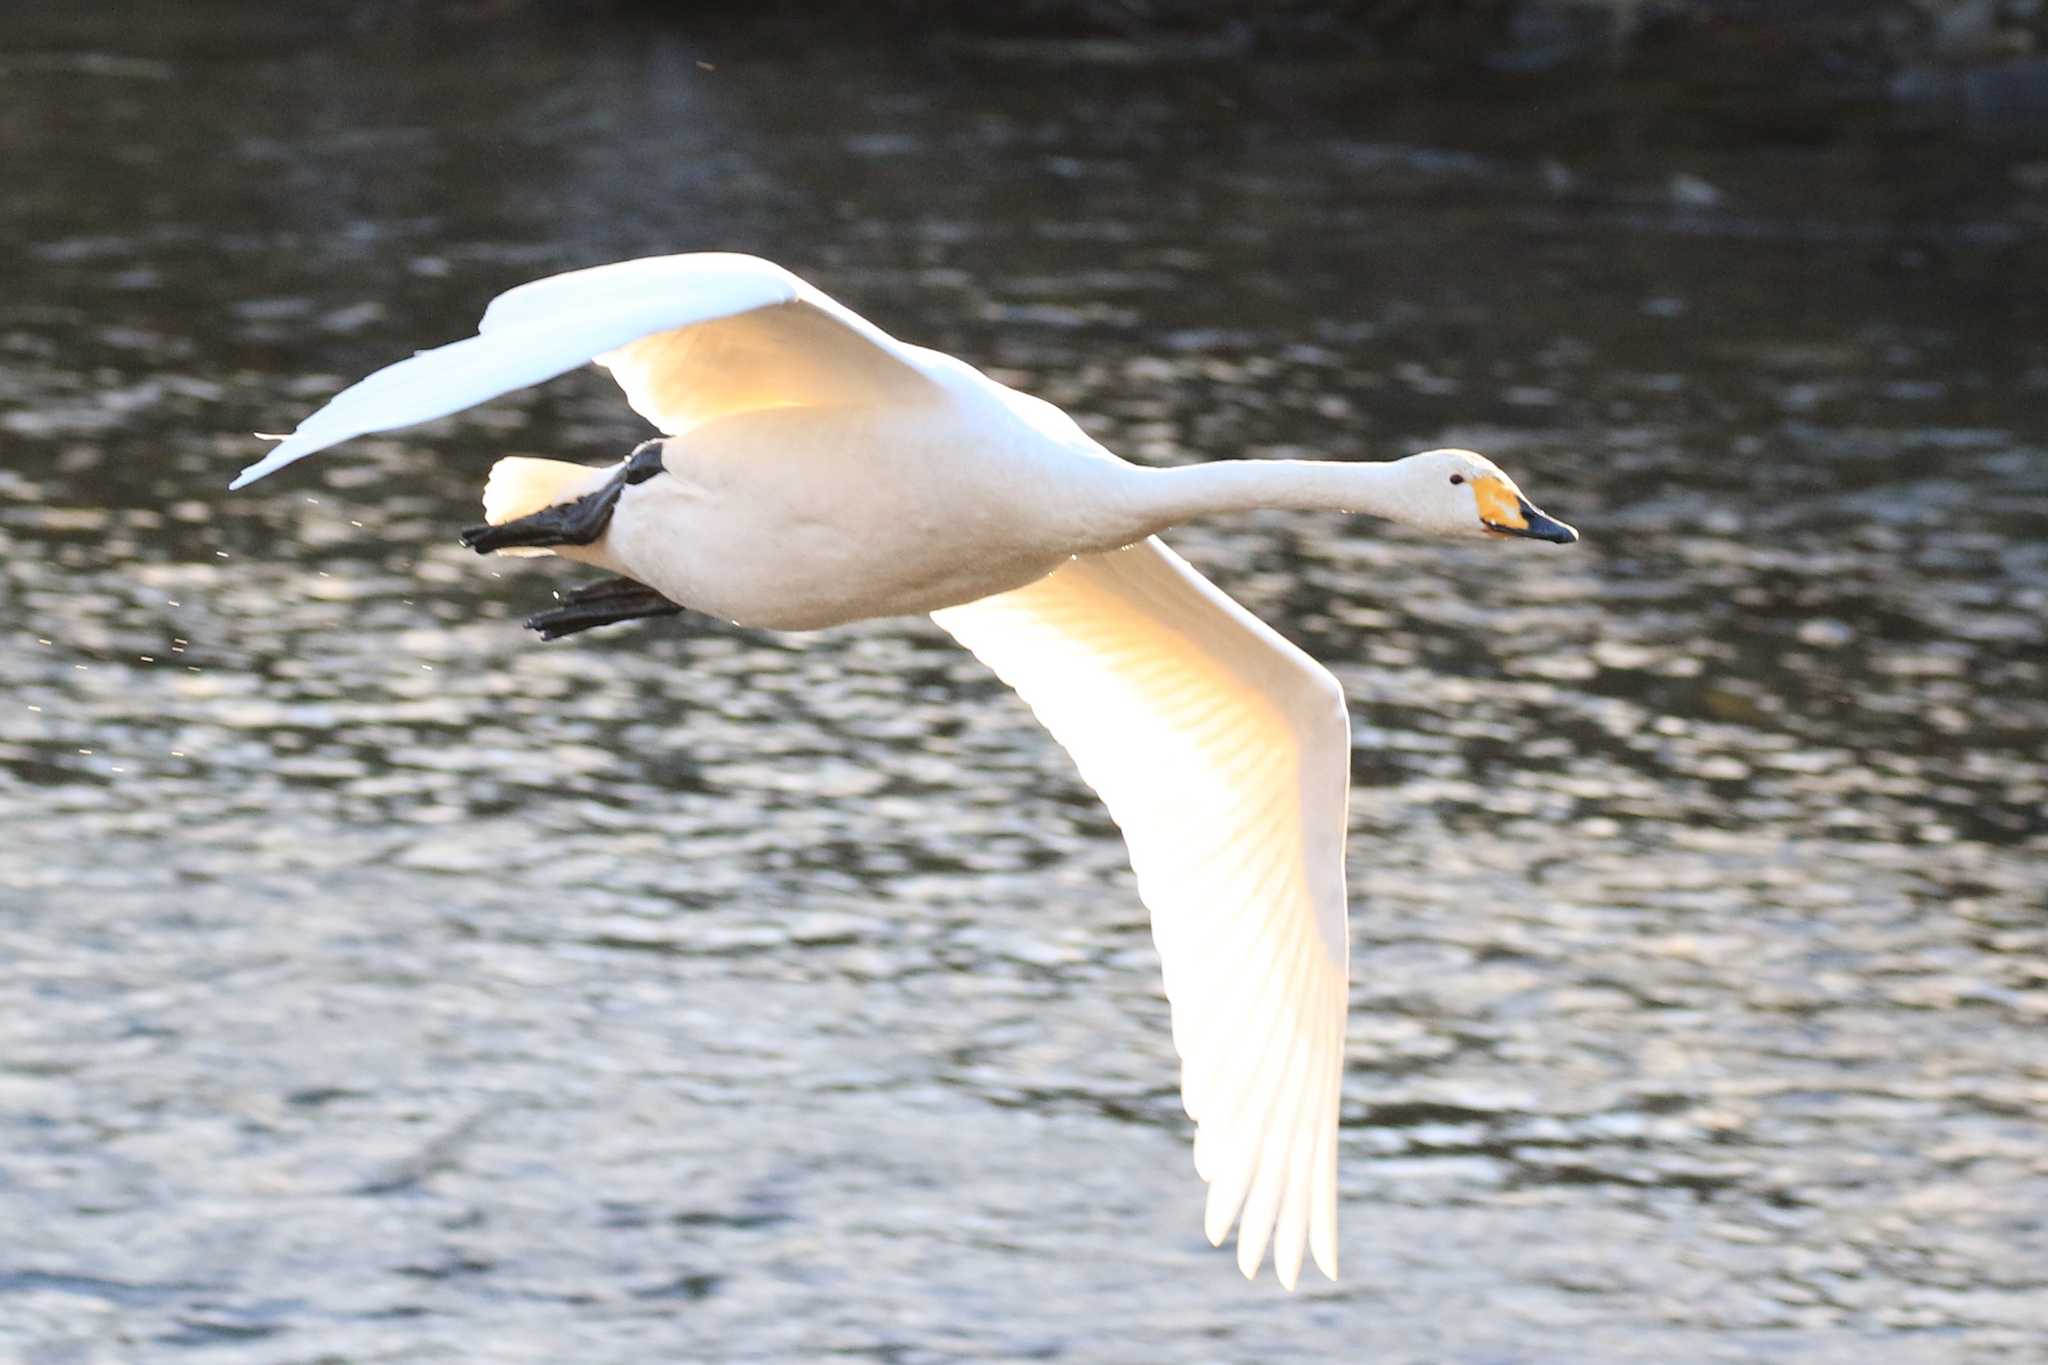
column 815, row 470
column 863, row 513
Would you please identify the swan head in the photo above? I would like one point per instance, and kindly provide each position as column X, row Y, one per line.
column 1461, row 492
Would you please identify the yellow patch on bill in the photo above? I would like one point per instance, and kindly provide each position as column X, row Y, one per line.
column 1499, row 505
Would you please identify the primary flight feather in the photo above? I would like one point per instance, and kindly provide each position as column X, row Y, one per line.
column 814, row 470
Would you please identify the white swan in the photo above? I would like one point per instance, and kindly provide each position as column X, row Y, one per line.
column 817, row 470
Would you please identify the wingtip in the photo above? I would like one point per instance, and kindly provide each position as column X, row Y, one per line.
column 251, row 473
column 1216, row 1218
column 1251, row 1253
column 277, row 459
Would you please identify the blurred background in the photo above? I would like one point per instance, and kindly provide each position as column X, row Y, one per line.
column 378, row 984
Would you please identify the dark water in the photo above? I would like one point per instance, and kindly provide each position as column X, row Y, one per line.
column 377, row 984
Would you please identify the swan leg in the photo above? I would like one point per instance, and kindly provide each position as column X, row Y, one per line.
column 579, row 521
column 600, row 604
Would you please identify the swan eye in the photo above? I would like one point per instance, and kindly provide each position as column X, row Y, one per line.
column 1457, row 478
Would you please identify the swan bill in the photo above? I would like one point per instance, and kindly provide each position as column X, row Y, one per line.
column 1536, row 526
column 1506, row 512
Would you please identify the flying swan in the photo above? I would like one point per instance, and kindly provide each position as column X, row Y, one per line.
column 815, row 470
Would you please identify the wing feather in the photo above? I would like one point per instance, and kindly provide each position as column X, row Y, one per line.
column 1222, row 752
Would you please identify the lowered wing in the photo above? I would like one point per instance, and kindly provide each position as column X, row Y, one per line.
column 1223, row 752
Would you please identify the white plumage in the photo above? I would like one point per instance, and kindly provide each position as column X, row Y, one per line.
column 818, row 471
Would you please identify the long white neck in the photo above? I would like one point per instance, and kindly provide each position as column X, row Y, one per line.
column 1159, row 498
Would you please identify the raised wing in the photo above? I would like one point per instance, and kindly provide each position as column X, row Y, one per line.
column 688, row 337
column 1223, row 752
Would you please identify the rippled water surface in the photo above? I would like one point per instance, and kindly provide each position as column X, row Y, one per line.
column 378, row 984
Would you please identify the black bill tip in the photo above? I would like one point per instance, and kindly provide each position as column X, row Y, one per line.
column 1536, row 526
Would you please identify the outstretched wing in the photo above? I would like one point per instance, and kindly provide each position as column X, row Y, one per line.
column 688, row 337
column 1223, row 753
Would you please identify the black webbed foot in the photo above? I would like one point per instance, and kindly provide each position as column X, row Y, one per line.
column 600, row 604
column 605, row 590
column 565, row 523
column 577, row 522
